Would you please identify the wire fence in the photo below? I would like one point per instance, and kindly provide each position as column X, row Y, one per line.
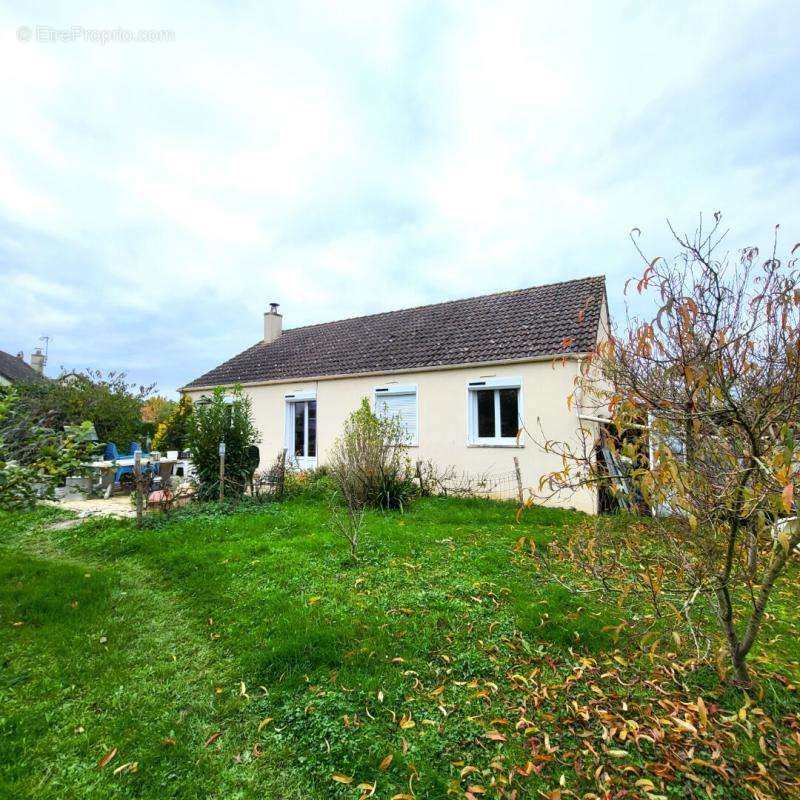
column 453, row 482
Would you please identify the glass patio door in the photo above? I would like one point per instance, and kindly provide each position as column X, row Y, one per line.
column 302, row 433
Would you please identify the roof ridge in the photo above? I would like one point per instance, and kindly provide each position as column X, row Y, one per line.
column 507, row 292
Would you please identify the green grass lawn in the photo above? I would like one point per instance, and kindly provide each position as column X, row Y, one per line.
column 243, row 656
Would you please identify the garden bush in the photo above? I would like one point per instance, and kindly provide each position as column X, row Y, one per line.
column 310, row 484
column 171, row 433
column 222, row 421
column 369, row 463
column 35, row 458
column 107, row 400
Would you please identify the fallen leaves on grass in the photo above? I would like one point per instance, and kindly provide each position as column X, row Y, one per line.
column 107, row 758
column 384, row 765
column 598, row 727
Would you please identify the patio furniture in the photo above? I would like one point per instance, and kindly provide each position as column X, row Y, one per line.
column 109, row 468
column 123, row 464
column 112, row 454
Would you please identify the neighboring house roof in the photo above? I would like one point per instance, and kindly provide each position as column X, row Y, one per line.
column 15, row 370
column 557, row 319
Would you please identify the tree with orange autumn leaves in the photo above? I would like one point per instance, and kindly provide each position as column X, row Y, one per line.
column 702, row 398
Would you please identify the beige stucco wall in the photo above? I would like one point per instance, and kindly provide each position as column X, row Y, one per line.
column 442, row 415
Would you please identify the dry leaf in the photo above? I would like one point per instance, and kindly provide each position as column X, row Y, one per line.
column 384, row 765
column 106, row 758
column 787, row 496
column 702, row 711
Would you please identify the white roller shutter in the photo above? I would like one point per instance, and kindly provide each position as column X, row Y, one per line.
column 399, row 401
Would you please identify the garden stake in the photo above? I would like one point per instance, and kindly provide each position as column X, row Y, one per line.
column 137, row 480
column 519, row 483
column 221, row 471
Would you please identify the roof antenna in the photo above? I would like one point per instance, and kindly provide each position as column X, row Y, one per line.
column 46, row 340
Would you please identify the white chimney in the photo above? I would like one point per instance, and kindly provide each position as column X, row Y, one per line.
column 38, row 359
column 273, row 324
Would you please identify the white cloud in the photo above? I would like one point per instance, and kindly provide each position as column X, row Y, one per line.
column 350, row 158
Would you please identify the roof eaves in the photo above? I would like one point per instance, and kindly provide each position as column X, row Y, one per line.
column 567, row 356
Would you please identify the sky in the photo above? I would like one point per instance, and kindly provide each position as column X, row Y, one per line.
column 349, row 158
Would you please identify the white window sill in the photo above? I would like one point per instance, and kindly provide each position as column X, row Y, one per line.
column 512, row 445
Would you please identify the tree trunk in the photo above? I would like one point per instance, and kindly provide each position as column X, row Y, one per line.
column 752, row 554
column 780, row 554
column 739, row 650
column 726, row 623
column 740, row 670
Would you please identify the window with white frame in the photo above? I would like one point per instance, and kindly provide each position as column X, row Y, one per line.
column 301, row 429
column 494, row 410
column 401, row 402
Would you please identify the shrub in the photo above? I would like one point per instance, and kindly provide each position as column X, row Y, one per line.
column 369, row 462
column 172, row 432
column 32, row 455
column 157, row 409
column 222, row 421
column 310, row 484
column 107, row 400
column 68, row 452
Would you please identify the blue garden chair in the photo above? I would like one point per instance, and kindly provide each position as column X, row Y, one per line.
column 112, row 454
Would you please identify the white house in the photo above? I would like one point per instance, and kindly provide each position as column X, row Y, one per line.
column 463, row 376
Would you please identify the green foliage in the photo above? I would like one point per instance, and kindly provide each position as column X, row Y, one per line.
column 67, row 452
column 172, row 432
column 310, row 484
column 229, row 422
column 369, row 462
column 112, row 404
column 17, row 490
column 32, row 454
column 157, row 409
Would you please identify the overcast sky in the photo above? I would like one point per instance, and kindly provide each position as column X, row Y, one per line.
column 344, row 159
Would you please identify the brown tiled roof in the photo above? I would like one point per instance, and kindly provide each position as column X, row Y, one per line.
column 15, row 370
column 556, row 319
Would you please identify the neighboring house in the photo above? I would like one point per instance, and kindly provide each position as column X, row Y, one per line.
column 463, row 376
column 13, row 369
